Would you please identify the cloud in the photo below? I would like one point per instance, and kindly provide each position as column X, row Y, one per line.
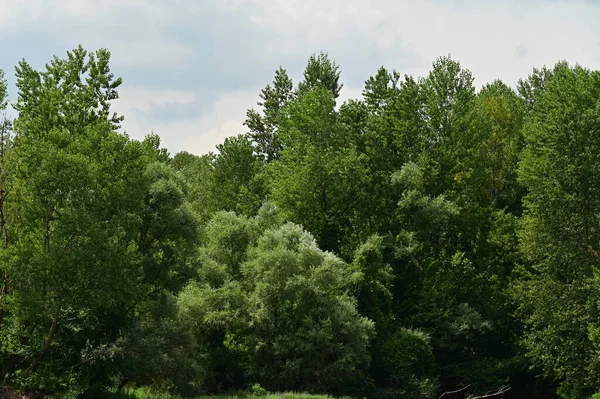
column 521, row 51
column 145, row 99
column 408, row 35
column 349, row 93
column 199, row 135
column 191, row 69
column 153, row 54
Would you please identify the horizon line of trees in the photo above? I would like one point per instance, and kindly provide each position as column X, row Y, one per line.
column 426, row 237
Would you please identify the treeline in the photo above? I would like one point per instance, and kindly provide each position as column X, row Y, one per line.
column 424, row 238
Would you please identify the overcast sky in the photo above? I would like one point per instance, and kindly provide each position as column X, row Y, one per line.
column 192, row 68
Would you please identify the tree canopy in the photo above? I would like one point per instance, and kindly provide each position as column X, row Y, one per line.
column 429, row 236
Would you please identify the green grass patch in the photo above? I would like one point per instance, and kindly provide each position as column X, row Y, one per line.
column 148, row 393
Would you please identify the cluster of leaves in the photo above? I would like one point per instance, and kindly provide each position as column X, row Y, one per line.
column 424, row 238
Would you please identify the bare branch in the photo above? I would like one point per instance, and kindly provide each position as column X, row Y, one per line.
column 448, row 393
column 499, row 393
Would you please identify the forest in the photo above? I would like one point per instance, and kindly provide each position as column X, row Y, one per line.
column 428, row 237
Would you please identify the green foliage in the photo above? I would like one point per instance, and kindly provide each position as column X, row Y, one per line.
column 147, row 393
column 238, row 185
column 408, row 364
column 5, row 146
column 287, row 317
column 423, row 238
column 197, row 172
column 3, row 91
column 96, row 226
column 169, row 233
column 321, row 72
column 489, row 174
column 309, row 182
column 380, row 90
column 264, row 128
column 231, row 180
column 557, row 298
column 374, row 282
column 257, row 390
column 309, row 332
column 448, row 94
column 70, row 94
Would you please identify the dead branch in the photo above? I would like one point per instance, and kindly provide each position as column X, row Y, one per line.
column 500, row 392
column 448, row 393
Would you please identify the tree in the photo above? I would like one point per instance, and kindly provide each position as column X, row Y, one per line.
column 493, row 149
column 374, row 288
column 197, row 172
column 237, row 183
column 168, row 234
column 314, row 182
column 321, row 72
column 96, row 227
column 381, row 89
column 71, row 94
column 389, row 133
column 556, row 296
column 263, row 128
column 5, row 144
column 63, row 114
column 535, row 84
column 287, row 316
column 408, row 366
column 448, row 98
column 308, row 333
column 69, row 260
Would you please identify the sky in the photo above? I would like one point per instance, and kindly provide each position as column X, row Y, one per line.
column 191, row 69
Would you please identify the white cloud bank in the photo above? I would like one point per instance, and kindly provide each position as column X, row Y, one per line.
column 494, row 39
column 200, row 135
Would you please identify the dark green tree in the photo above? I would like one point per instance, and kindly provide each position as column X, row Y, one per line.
column 97, row 227
column 197, row 172
column 448, row 99
column 316, row 180
column 556, row 295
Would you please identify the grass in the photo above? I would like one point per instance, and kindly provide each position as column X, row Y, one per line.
column 146, row 393
column 149, row 393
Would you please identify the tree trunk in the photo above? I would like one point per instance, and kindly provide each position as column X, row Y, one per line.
column 8, row 366
column 2, row 218
column 45, row 349
column 13, row 360
column 47, row 232
column 3, row 291
column 3, row 145
column 122, row 384
column 4, row 287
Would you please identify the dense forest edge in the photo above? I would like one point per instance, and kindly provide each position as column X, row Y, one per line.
column 426, row 238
